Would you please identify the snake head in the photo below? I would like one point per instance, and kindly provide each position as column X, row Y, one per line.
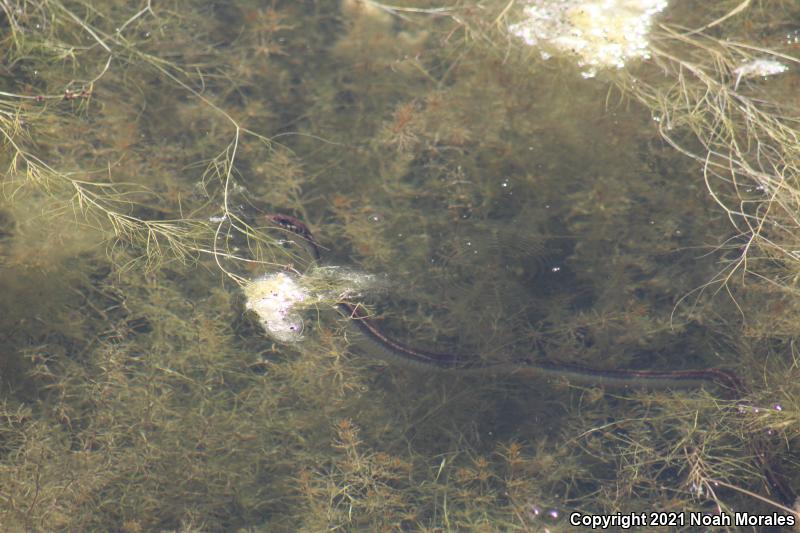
column 290, row 223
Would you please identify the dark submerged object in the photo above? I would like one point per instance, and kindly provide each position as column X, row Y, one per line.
column 621, row 378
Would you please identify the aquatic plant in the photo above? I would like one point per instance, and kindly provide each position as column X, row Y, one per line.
column 512, row 208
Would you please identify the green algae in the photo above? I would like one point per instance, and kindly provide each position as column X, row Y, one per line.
column 513, row 207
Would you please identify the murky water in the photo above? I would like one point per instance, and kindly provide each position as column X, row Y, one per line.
column 505, row 206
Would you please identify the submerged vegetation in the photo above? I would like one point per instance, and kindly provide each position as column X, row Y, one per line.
column 512, row 206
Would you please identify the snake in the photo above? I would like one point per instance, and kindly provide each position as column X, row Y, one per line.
column 625, row 378
column 397, row 350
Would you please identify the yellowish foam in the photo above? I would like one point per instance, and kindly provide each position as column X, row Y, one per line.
column 600, row 33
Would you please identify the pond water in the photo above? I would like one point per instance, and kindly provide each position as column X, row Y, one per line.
column 475, row 194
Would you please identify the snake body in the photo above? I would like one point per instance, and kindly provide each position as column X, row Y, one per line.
column 394, row 349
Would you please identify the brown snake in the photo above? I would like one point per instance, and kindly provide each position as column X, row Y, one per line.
column 624, row 378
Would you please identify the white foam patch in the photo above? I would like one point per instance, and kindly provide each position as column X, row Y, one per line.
column 346, row 283
column 275, row 299
column 280, row 299
column 601, row 33
column 759, row 68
